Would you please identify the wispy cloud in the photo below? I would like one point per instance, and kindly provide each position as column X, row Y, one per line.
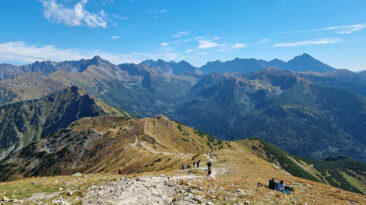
column 228, row 47
column 76, row 16
column 115, row 37
column 164, row 44
column 205, row 44
column 346, row 29
column 180, row 34
column 309, row 42
column 123, row 18
column 157, row 11
column 264, row 41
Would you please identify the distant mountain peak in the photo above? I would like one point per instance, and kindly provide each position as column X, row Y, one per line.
column 97, row 58
column 306, row 62
column 306, row 55
column 170, row 67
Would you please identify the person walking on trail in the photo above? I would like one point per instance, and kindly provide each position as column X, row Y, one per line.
column 194, row 164
column 198, row 163
column 209, row 164
column 182, row 166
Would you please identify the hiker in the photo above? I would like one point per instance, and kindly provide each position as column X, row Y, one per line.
column 194, row 164
column 282, row 188
column 119, row 171
column 272, row 184
column 198, row 163
column 182, row 166
column 209, row 164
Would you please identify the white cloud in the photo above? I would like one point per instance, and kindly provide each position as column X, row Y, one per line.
column 164, row 44
column 180, row 34
column 239, row 45
column 309, row 42
column 224, row 47
column 76, row 16
column 115, row 37
column 190, row 50
column 20, row 52
column 205, row 44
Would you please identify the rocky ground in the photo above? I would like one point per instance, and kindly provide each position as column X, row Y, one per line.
column 230, row 183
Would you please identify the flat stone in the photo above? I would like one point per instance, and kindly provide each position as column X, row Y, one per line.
column 77, row 174
column 5, row 198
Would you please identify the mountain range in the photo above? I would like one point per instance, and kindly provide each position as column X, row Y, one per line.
column 300, row 109
column 304, row 62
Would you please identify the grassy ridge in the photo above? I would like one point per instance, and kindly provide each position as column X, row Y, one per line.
column 276, row 154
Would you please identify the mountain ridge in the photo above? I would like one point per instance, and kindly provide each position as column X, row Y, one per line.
column 304, row 62
column 25, row 122
column 111, row 144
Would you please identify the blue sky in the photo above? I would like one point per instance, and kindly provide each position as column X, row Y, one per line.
column 197, row 31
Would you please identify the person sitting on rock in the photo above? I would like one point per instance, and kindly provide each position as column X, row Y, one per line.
column 209, row 164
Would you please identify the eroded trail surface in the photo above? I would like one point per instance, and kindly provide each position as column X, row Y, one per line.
column 144, row 190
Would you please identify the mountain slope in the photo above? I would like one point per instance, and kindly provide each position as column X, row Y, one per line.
column 339, row 78
column 28, row 86
column 301, row 117
column 25, row 122
column 341, row 171
column 92, row 145
column 170, row 67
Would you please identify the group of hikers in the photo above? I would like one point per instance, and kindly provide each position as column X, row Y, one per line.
column 197, row 165
column 279, row 186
